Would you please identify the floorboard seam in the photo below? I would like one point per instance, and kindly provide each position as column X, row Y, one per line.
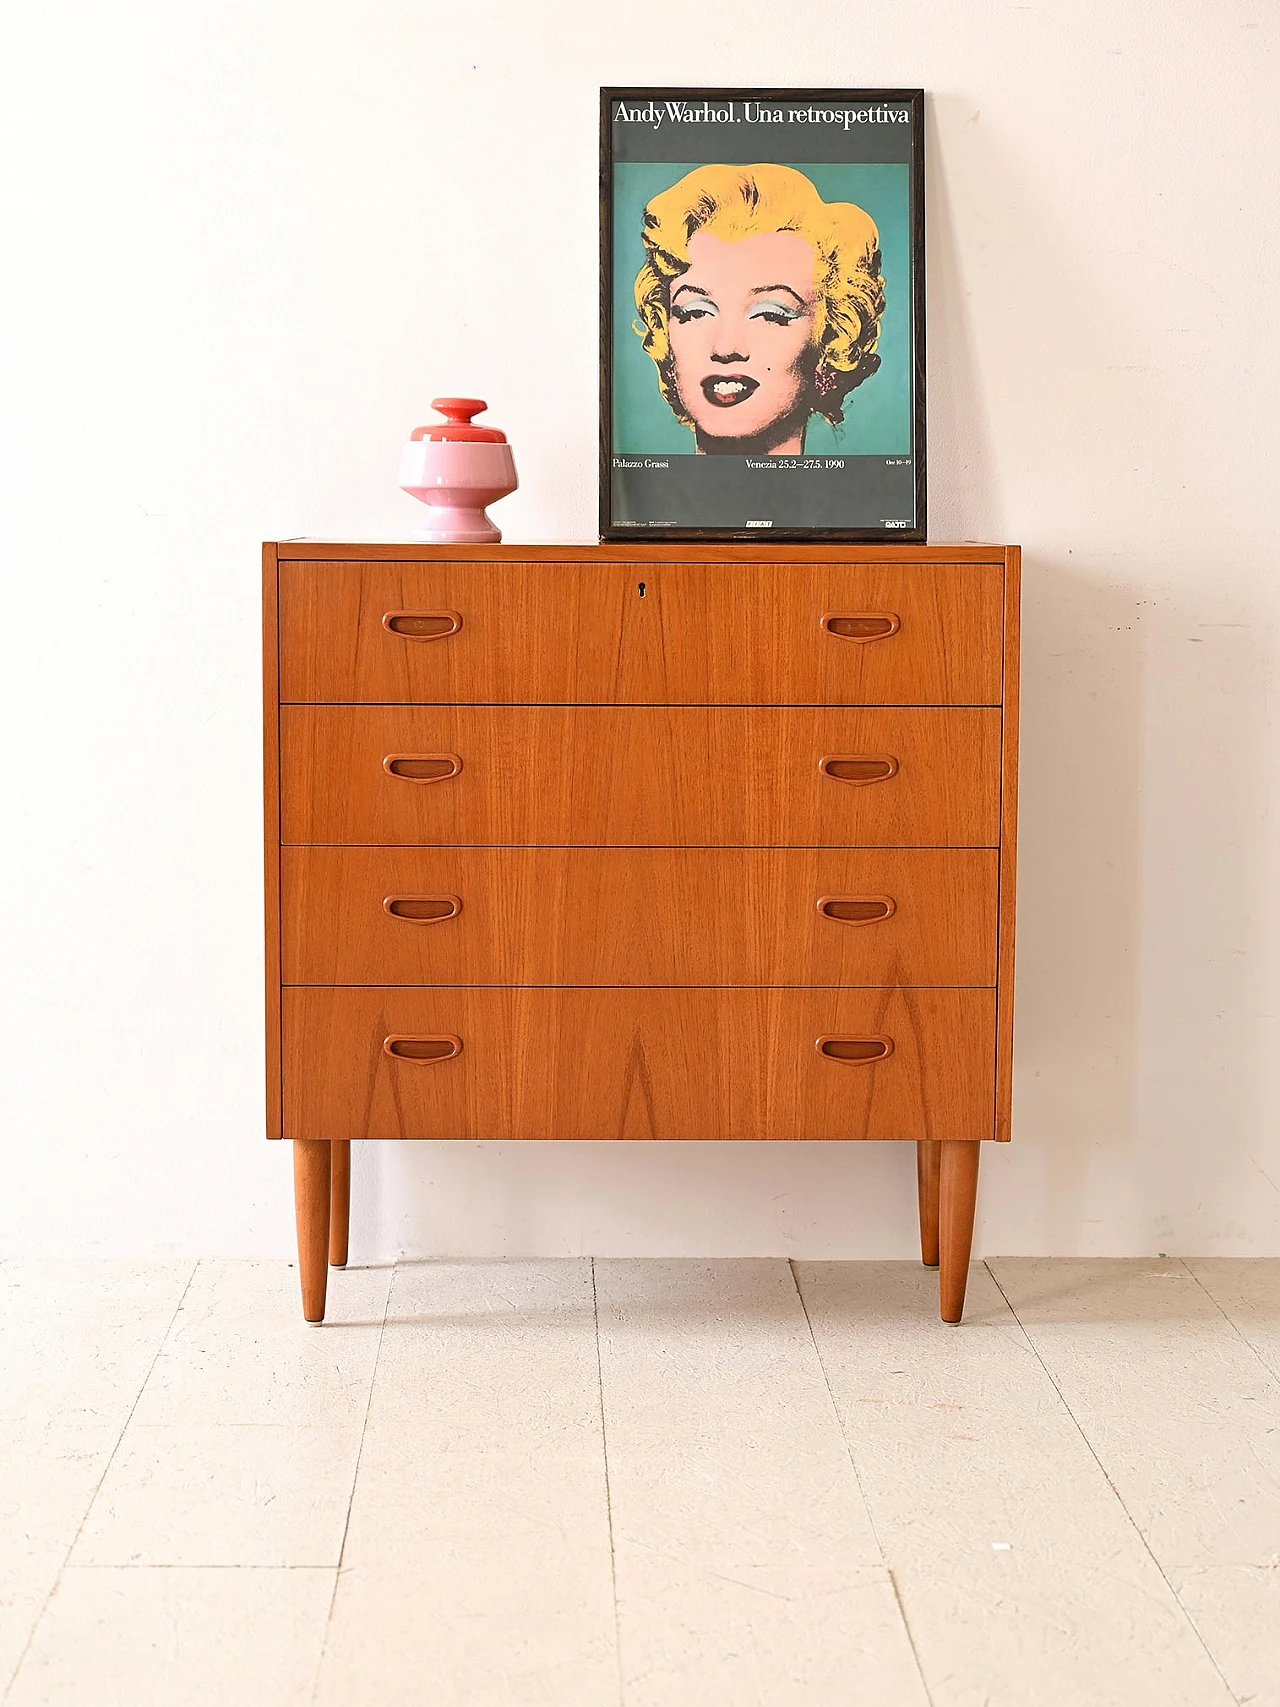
column 1035, row 1351
column 862, row 1492
column 97, row 1487
column 608, row 1490
column 138, row 1568
column 1235, row 1327
column 346, row 1522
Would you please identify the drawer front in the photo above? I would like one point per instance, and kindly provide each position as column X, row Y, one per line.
column 640, row 776
column 639, row 916
column 679, row 1064
column 585, row 633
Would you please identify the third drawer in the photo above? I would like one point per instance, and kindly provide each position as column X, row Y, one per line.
column 641, row 776
column 639, row 916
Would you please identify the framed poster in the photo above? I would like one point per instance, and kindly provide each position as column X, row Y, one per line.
column 762, row 314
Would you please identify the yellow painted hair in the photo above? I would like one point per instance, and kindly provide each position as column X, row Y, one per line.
column 741, row 201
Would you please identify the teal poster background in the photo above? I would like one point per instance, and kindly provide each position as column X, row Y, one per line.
column 877, row 415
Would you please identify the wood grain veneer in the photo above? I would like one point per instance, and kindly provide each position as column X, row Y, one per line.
column 637, row 916
column 515, row 632
column 593, row 1063
column 545, row 853
column 640, row 776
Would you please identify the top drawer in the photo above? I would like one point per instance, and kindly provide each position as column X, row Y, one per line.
column 516, row 632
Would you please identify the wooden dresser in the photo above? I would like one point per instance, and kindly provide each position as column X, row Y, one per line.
column 613, row 842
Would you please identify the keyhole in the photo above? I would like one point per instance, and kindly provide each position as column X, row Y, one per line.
column 642, row 589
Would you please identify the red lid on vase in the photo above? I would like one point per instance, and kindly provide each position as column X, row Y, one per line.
column 458, row 428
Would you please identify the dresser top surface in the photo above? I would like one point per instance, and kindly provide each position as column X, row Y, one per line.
column 392, row 551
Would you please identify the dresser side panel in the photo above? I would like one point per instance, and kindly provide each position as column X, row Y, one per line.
column 271, row 829
column 1008, row 842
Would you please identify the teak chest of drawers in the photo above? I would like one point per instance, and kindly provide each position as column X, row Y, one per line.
column 610, row 842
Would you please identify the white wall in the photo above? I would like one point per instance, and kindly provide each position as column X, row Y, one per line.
column 247, row 242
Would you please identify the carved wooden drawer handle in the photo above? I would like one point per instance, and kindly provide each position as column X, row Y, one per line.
column 872, row 626
column 423, row 909
column 859, row 768
column 858, row 909
column 443, row 1046
column 422, row 624
column 859, row 1051
column 422, row 767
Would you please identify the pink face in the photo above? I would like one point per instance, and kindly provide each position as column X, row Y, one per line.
column 741, row 335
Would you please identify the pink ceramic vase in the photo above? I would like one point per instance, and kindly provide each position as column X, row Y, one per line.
column 456, row 468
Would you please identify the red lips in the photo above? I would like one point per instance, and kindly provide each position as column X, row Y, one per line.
column 734, row 388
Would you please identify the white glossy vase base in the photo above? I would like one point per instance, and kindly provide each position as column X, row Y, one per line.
column 443, row 525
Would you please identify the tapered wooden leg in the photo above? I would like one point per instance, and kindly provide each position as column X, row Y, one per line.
column 340, row 1202
column 928, row 1162
column 957, row 1193
column 312, row 1170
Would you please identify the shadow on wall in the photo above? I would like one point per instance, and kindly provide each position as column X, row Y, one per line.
column 1206, row 1115
column 1142, row 1083
column 964, row 496
column 1076, row 1015
column 1144, row 1112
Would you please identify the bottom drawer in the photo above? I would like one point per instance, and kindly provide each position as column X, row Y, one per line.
column 618, row 1063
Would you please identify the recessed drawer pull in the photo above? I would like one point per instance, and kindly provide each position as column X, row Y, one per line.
column 441, row 1047
column 859, row 1051
column 422, row 624
column 422, row 767
column 423, row 909
column 859, row 768
column 868, row 627
column 858, row 909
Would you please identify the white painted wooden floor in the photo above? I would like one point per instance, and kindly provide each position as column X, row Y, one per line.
column 652, row 1484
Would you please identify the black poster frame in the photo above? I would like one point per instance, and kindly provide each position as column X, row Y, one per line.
column 610, row 529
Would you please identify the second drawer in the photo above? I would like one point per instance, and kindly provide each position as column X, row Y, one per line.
column 641, row 776
column 639, row 916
